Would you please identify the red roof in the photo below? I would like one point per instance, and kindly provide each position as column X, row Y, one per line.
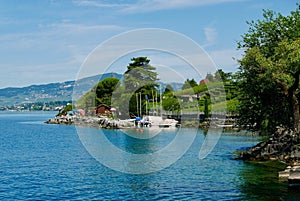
column 204, row 81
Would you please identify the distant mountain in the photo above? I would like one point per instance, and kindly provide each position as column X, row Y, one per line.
column 50, row 92
column 175, row 85
column 63, row 91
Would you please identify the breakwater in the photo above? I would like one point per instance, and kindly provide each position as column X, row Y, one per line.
column 100, row 122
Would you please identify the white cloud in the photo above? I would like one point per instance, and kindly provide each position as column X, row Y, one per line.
column 226, row 59
column 37, row 74
column 98, row 4
column 155, row 5
column 142, row 6
column 71, row 28
column 40, row 55
column 211, row 35
column 57, row 34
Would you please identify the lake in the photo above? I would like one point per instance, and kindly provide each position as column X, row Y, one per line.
column 49, row 162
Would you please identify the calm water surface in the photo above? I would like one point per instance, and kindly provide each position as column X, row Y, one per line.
column 48, row 162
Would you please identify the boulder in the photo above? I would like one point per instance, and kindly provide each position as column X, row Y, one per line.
column 283, row 145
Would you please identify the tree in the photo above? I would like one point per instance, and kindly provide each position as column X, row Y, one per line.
column 221, row 76
column 140, row 73
column 105, row 89
column 65, row 110
column 206, row 111
column 169, row 91
column 269, row 71
column 210, row 77
column 139, row 78
column 99, row 94
column 189, row 84
column 171, row 104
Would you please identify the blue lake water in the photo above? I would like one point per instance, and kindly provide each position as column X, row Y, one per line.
column 49, row 162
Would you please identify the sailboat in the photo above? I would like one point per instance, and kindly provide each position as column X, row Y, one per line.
column 154, row 120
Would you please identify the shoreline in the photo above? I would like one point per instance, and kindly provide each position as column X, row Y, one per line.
column 283, row 146
column 109, row 123
column 99, row 122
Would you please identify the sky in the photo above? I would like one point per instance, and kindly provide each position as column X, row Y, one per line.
column 45, row 41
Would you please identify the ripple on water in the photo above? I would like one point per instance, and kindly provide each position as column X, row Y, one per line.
column 48, row 162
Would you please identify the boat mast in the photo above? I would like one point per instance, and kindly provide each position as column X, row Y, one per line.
column 152, row 103
column 137, row 104
column 140, row 104
column 160, row 100
column 156, row 109
column 146, row 104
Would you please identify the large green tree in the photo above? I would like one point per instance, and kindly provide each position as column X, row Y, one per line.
column 140, row 73
column 269, row 71
column 99, row 94
column 105, row 89
column 140, row 80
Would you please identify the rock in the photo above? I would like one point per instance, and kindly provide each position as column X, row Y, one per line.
column 291, row 174
column 283, row 145
column 102, row 122
column 284, row 174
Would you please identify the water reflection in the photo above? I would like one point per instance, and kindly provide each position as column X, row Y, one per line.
column 124, row 153
column 260, row 182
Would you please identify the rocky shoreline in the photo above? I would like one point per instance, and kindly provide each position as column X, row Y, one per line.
column 99, row 122
column 283, row 146
column 109, row 123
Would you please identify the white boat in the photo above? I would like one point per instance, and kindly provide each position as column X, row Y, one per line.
column 225, row 125
column 149, row 121
column 168, row 123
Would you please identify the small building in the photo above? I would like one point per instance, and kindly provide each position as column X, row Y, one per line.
column 188, row 98
column 204, row 81
column 102, row 110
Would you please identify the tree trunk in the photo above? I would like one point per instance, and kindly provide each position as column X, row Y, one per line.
column 294, row 100
column 296, row 113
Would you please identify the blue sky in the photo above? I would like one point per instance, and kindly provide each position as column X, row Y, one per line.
column 45, row 41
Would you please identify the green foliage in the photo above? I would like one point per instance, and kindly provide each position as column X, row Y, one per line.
column 203, row 91
column 126, row 97
column 231, row 106
column 171, row 104
column 189, row 84
column 199, row 88
column 87, row 101
column 139, row 74
column 140, row 78
column 221, row 76
column 210, row 77
column 269, row 72
column 168, row 90
column 99, row 94
column 65, row 110
column 105, row 89
column 206, row 111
